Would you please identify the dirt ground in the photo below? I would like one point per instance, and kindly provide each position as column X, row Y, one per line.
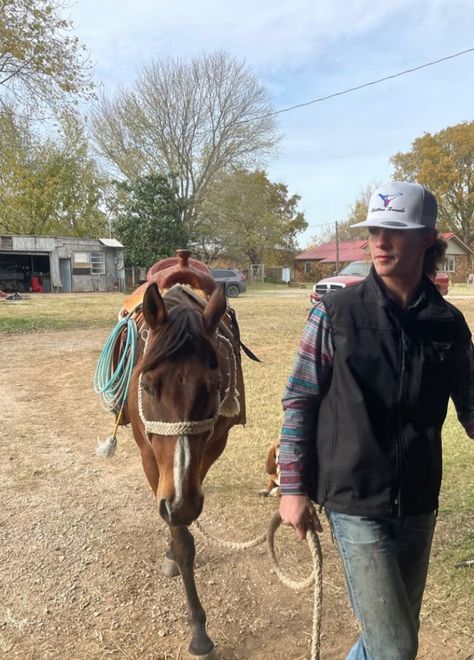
column 82, row 542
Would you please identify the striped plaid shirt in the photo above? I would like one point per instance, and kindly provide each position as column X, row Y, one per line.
column 311, row 370
column 312, row 367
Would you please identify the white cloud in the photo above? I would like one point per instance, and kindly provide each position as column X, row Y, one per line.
column 271, row 36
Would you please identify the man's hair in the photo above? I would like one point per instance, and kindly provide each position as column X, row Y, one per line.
column 434, row 255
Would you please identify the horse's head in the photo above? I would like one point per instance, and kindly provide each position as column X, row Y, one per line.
column 179, row 395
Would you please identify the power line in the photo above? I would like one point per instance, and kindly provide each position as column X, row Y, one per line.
column 320, row 225
column 320, row 99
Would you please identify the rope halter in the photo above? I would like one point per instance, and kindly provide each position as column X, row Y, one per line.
column 228, row 407
column 175, row 428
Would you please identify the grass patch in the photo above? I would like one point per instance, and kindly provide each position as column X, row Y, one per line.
column 46, row 312
column 453, row 588
column 464, row 289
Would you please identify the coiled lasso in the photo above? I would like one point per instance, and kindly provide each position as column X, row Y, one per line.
column 112, row 384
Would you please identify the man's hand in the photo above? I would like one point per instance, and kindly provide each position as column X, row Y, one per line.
column 299, row 512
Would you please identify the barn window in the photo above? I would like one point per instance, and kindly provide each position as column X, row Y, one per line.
column 6, row 242
column 89, row 263
column 82, row 260
column 308, row 267
column 449, row 265
column 97, row 263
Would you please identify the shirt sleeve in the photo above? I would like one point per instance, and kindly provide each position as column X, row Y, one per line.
column 311, row 370
column 462, row 383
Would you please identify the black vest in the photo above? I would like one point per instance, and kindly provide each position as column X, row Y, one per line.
column 377, row 449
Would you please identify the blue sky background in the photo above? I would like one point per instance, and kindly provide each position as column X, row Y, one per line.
column 302, row 50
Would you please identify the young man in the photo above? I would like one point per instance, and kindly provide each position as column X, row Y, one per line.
column 364, row 407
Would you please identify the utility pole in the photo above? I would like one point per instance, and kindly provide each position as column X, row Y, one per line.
column 337, row 248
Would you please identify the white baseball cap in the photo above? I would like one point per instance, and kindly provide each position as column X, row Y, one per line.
column 401, row 205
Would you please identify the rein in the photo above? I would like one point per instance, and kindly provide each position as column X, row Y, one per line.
column 314, row 578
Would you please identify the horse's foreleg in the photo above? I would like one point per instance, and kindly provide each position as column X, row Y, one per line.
column 169, row 567
column 182, row 546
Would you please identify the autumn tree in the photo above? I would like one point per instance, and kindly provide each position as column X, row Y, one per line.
column 148, row 219
column 444, row 162
column 48, row 185
column 250, row 218
column 41, row 61
column 191, row 120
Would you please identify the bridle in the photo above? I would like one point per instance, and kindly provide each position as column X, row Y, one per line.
column 193, row 427
column 158, row 427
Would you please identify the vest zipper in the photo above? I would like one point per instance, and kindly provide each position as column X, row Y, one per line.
column 397, row 504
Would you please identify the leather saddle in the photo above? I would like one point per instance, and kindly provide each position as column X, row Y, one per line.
column 173, row 270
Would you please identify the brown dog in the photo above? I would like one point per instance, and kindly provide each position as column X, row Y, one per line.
column 273, row 470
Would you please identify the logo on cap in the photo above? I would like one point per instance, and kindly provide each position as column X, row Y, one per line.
column 386, row 199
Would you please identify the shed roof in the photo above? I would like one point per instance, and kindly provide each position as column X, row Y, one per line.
column 327, row 252
column 447, row 236
column 111, row 242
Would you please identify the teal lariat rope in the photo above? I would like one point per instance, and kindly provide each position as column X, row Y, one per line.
column 112, row 385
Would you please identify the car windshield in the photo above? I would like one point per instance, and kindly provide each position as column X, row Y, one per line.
column 360, row 268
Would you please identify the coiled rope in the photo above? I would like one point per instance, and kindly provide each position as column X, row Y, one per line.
column 112, row 385
column 316, row 576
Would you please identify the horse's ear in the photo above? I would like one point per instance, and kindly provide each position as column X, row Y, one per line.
column 154, row 309
column 215, row 309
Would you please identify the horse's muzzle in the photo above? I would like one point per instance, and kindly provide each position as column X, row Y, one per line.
column 183, row 514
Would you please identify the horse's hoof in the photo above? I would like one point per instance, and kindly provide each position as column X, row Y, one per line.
column 169, row 568
column 206, row 648
column 212, row 655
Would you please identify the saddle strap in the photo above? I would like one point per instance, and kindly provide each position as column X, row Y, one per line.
column 235, row 326
column 248, row 352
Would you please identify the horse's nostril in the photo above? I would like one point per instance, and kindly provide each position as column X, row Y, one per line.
column 165, row 510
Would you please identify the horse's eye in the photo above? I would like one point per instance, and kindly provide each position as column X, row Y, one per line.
column 152, row 387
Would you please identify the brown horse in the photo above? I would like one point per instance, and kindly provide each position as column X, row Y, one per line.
column 187, row 373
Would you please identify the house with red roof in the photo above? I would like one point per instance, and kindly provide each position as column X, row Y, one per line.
column 328, row 258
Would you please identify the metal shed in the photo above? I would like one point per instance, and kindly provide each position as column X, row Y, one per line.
column 61, row 264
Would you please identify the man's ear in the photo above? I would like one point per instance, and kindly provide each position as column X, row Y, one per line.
column 215, row 309
column 154, row 309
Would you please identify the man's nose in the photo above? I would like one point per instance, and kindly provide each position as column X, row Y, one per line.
column 383, row 237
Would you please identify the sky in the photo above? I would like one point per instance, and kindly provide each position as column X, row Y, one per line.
column 302, row 50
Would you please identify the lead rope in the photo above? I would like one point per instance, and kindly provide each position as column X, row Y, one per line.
column 316, row 576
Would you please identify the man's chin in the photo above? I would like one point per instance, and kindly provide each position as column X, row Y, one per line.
column 385, row 269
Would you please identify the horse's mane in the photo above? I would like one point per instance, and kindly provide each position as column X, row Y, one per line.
column 182, row 335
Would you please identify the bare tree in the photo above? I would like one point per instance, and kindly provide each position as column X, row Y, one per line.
column 189, row 120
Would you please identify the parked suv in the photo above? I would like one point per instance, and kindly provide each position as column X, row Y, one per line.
column 354, row 273
column 234, row 280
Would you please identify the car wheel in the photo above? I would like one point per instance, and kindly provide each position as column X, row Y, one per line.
column 232, row 290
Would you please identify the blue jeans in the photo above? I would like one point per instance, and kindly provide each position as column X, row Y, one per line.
column 386, row 563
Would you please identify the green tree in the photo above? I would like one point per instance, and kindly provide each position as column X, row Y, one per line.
column 444, row 162
column 148, row 219
column 48, row 185
column 41, row 62
column 189, row 120
column 248, row 217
